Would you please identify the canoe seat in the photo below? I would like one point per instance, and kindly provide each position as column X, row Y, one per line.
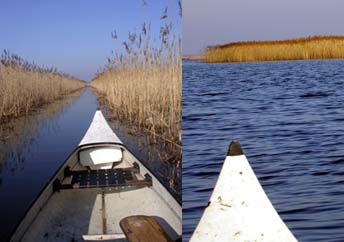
column 120, row 177
column 144, row 229
column 100, row 157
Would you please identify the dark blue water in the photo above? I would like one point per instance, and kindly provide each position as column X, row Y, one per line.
column 29, row 168
column 289, row 119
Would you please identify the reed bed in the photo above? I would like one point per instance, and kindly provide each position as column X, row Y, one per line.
column 317, row 47
column 25, row 86
column 142, row 84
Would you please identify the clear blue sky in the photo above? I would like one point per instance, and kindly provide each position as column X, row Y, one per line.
column 73, row 35
column 209, row 22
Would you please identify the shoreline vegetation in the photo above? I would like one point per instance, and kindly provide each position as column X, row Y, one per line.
column 194, row 57
column 141, row 88
column 25, row 86
column 311, row 48
column 141, row 85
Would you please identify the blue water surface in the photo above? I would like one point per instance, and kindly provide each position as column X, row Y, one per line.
column 289, row 119
column 25, row 174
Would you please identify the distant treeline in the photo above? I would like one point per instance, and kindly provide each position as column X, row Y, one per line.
column 194, row 57
column 317, row 47
column 25, row 86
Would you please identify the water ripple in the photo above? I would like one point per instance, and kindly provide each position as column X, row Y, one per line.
column 288, row 117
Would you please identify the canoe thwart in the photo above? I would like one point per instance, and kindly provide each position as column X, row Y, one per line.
column 120, row 177
column 235, row 149
column 144, row 229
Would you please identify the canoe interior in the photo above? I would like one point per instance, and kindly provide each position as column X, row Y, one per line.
column 88, row 213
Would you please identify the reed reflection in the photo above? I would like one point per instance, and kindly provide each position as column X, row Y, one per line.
column 18, row 135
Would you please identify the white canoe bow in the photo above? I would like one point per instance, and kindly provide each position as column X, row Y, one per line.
column 239, row 209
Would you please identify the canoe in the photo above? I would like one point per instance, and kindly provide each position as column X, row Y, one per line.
column 100, row 193
column 239, row 209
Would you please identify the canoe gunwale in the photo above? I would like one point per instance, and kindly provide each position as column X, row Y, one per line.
column 61, row 168
column 50, row 181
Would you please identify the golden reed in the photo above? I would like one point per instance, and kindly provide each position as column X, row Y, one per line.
column 317, row 47
column 142, row 84
column 25, row 86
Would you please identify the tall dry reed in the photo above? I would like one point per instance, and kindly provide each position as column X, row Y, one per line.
column 25, row 86
column 318, row 47
column 142, row 84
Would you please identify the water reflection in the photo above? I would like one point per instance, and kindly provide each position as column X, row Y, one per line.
column 33, row 147
column 17, row 136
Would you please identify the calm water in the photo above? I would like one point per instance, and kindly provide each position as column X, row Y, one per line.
column 29, row 168
column 31, row 154
column 289, row 119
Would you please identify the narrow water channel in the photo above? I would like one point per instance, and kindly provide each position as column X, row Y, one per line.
column 29, row 166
